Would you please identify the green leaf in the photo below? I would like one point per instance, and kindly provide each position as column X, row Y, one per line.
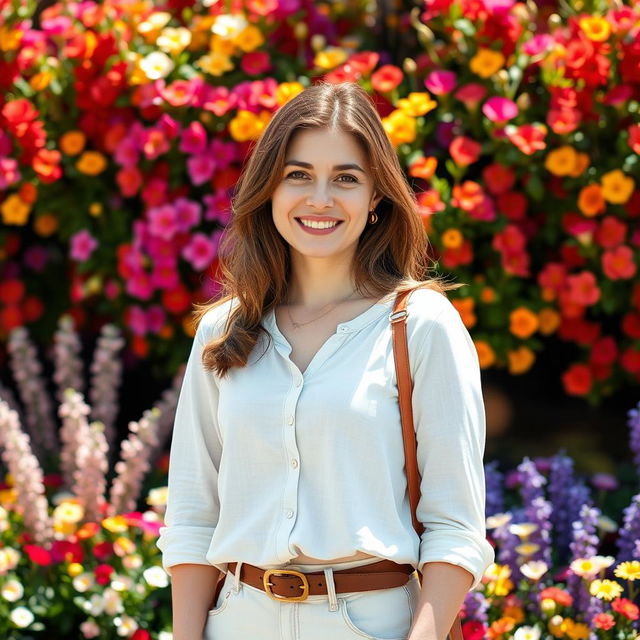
column 535, row 188
column 466, row 26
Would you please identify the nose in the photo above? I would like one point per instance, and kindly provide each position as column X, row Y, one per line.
column 319, row 197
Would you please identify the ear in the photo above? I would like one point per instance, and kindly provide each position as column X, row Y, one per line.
column 376, row 201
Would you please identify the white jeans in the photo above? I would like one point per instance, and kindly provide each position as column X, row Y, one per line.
column 243, row 612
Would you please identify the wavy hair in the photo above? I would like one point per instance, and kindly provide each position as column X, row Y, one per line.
column 254, row 258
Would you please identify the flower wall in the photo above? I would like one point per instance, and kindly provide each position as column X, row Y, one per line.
column 124, row 127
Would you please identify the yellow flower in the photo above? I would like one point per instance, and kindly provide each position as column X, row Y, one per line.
column 214, row 63
column 8, row 496
column 527, row 548
column 15, row 210
column 91, row 163
column 330, row 58
column 174, row 40
column 498, row 520
column 287, row 90
column 221, row 45
column 617, row 187
column 502, row 587
column 158, row 497
column 520, row 360
column 115, row 524
column 400, row 127
column 486, row 62
column 75, row 569
column 605, row 589
column 45, row 225
column 628, row 570
column 40, row 81
column 249, row 39
column 561, row 161
column 123, row 546
column 247, row 126
column 72, row 142
column 497, row 571
column 9, row 38
column 417, row 104
column 452, row 238
column 595, row 28
column 68, row 512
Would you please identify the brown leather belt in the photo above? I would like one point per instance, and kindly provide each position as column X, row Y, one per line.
column 295, row 586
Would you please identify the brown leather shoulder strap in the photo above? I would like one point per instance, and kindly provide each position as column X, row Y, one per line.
column 405, row 389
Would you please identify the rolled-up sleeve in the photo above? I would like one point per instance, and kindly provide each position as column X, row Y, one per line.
column 193, row 506
column 450, row 428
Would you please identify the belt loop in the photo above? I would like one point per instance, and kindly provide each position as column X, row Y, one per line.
column 236, row 578
column 331, row 589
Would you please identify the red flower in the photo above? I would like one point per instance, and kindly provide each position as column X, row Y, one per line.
column 452, row 258
column 634, row 137
column 473, row 630
column 19, row 112
column 65, row 551
column 141, row 634
column 464, row 151
column 103, row 573
column 12, row 291
column 577, row 379
column 103, row 550
column 626, row 608
column 579, row 330
column 583, row 288
column 604, row 351
column 630, row 361
column 611, row 232
column 529, row 138
column 46, row 163
column 364, row 61
column 604, row 621
column 631, row 324
column 386, row 78
column 512, row 204
column 176, row 300
column 557, row 595
column 38, row 555
column 498, row 178
column 618, row 263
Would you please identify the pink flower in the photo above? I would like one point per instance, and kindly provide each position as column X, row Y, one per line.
column 137, row 320
column 165, row 274
column 440, row 82
column 194, row 139
column 200, row 168
column 169, row 126
column 583, row 289
column 5, row 144
column 155, row 192
column 498, row 7
column 218, row 207
column 127, row 153
column 538, row 44
column 129, row 180
column 156, row 318
column 9, row 172
column 90, row 629
column 471, row 94
column 255, row 63
column 179, row 93
column 618, row 95
column 187, row 214
column 155, row 143
column 139, row 285
column 199, row 252
column 218, row 100
column 618, row 263
column 499, row 109
column 83, row 244
column 163, row 221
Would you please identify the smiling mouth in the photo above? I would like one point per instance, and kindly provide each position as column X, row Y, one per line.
column 320, row 225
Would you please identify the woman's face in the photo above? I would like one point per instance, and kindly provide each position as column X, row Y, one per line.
column 321, row 205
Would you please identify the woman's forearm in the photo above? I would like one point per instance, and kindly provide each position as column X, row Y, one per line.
column 444, row 587
column 192, row 589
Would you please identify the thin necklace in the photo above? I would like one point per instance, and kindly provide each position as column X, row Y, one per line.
column 297, row 325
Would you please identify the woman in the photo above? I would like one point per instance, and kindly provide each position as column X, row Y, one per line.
column 287, row 449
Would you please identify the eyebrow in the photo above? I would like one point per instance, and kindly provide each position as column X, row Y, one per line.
column 338, row 167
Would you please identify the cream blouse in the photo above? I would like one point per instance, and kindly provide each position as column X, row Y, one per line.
column 268, row 463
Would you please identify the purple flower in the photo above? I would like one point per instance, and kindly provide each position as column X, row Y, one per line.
column 199, row 252
column 499, row 109
column 36, row 258
column 604, row 481
column 193, row 139
column 83, row 244
column 584, row 545
column 629, row 533
column 440, row 82
column 495, row 496
column 633, row 423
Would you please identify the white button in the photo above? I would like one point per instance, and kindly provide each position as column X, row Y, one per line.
column 294, row 463
column 290, row 420
column 289, row 513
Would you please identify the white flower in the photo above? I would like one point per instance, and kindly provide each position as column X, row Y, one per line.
column 534, row 569
column 585, row 567
column 156, row 65
column 174, row 40
column 83, row 582
column 121, row 583
column 9, row 558
column 21, row 617
column 228, row 26
column 126, row 626
column 156, row 577
column 604, row 561
column 158, row 496
column 165, row 635
column 12, row 590
column 94, row 606
column 527, row 633
column 498, row 520
column 112, row 602
column 523, row 530
column 133, row 561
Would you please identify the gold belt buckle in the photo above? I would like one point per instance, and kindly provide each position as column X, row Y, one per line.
column 285, row 572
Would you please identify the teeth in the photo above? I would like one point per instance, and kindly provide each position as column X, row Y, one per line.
column 319, row 225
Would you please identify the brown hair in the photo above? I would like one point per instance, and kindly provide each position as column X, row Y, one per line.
column 254, row 258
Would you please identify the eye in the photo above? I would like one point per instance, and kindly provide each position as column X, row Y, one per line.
column 296, row 175
column 350, row 179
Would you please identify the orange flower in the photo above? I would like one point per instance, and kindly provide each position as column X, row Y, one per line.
column 486, row 355
column 523, row 322
column 45, row 225
column 465, row 307
column 582, row 162
column 468, row 195
column 423, row 168
column 386, row 78
column 72, row 142
column 500, row 627
column 514, row 612
column 561, row 161
column 595, row 28
column 488, row 295
column 28, row 192
column 549, row 321
column 91, row 163
column 591, row 201
column 617, row 187
column 452, row 238
column 520, row 360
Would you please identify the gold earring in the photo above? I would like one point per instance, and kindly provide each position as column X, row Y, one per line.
column 373, row 217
